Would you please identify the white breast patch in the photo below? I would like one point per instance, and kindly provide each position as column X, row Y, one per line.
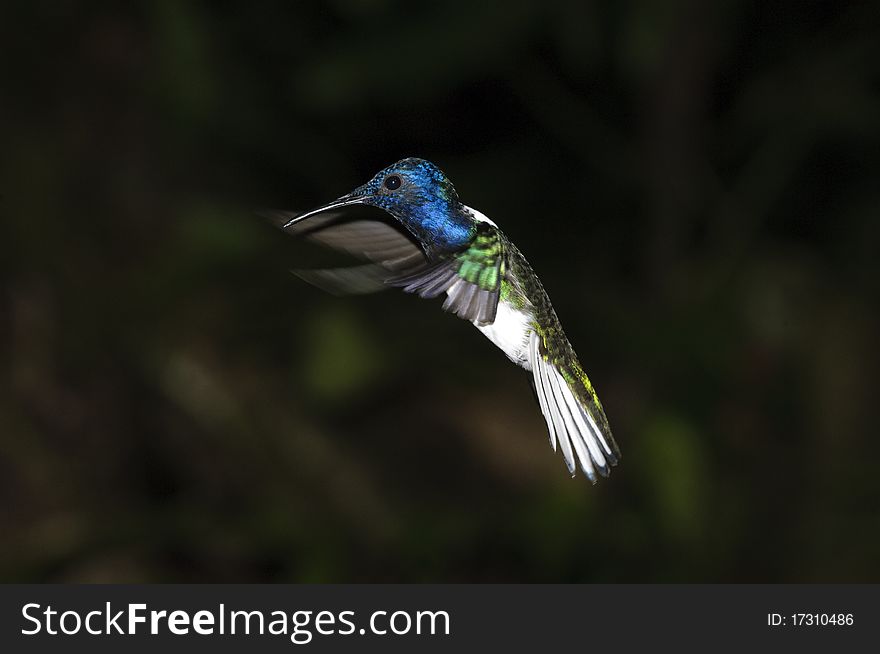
column 510, row 332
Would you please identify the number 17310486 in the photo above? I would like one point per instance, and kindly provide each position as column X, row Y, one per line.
column 810, row 620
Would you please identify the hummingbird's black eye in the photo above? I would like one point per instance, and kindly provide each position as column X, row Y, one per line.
column 392, row 182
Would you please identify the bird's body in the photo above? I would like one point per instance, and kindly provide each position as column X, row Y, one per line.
column 447, row 248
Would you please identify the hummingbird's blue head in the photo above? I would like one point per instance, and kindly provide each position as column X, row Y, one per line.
column 421, row 198
column 407, row 185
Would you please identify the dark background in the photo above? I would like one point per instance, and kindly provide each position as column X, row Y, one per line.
column 696, row 183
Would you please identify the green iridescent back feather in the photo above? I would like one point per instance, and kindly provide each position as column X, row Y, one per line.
column 470, row 277
column 482, row 263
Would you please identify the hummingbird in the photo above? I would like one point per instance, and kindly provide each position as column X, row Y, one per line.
column 427, row 242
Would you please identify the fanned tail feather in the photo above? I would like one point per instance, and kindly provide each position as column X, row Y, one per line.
column 568, row 419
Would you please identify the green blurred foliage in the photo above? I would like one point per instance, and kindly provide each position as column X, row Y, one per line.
column 696, row 184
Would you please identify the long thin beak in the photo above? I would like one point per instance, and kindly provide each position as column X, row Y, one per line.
column 344, row 201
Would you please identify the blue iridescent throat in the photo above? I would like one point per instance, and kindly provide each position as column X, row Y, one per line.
column 425, row 202
column 439, row 224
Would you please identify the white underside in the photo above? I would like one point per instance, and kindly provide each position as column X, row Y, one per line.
column 512, row 328
column 510, row 332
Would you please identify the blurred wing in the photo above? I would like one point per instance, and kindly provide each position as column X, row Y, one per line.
column 389, row 249
column 353, row 280
column 378, row 241
column 569, row 418
column 471, row 278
